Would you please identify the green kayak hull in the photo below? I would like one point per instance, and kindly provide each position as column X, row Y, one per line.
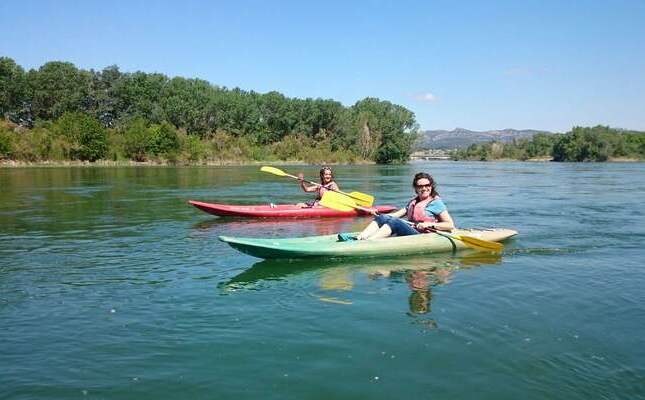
column 329, row 246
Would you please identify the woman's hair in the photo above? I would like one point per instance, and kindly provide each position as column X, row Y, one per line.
column 433, row 184
column 322, row 173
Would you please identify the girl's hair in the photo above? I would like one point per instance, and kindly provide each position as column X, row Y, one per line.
column 322, row 173
column 433, row 184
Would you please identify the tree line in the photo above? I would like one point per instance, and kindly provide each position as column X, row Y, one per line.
column 599, row 143
column 61, row 112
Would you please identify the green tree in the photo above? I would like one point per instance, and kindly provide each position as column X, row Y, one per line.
column 184, row 103
column 58, row 87
column 583, row 144
column 13, row 87
column 540, row 145
column 391, row 126
column 137, row 105
column 101, row 101
column 138, row 95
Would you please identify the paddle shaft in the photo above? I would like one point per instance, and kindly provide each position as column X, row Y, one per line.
column 435, row 230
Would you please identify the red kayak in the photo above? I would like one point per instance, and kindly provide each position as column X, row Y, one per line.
column 281, row 211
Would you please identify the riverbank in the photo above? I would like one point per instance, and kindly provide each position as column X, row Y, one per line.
column 225, row 163
column 130, row 163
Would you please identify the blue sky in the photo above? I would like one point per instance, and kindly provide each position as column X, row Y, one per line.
column 474, row 64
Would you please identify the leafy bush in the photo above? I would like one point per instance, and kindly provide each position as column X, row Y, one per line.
column 6, row 144
column 40, row 145
column 223, row 146
column 292, row 147
column 116, row 146
column 194, row 150
column 136, row 139
column 87, row 137
column 163, row 139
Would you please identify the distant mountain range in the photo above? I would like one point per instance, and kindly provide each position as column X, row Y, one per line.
column 461, row 138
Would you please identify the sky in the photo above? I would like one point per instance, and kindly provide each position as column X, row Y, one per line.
column 479, row 65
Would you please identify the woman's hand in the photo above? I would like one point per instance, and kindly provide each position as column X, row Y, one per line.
column 425, row 225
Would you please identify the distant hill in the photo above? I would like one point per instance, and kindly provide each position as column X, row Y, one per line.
column 461, row 138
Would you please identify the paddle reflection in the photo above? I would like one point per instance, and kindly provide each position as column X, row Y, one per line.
column 337, row 278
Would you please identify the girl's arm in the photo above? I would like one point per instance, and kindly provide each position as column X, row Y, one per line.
column 305, row 186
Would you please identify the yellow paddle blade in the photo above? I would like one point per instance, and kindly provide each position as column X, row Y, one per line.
column 480, row 244
column 362, row 199
column 334, row 206
column 274, row 171
column 337, row 201
column 473, row 242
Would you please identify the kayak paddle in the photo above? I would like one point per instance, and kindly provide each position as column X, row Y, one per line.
column 338, row 202
column 362, row 199
column 341, row 203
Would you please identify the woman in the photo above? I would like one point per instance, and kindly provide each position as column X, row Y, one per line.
column 426, row 211
column 326, row 183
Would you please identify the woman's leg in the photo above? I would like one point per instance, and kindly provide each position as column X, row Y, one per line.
column 382, row 232
column 373, row 227
column 393, row 226
column 368, row 231
column 401, row 228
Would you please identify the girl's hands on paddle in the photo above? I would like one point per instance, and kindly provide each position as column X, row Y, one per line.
column 301, row 177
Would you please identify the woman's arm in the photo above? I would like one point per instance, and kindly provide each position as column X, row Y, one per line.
column 399, row 213
column 445, row 222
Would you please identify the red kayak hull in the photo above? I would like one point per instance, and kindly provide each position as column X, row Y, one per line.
column 280, row 211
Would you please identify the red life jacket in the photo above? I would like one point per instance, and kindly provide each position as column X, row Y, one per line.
column 417, row 210
column 323, row 188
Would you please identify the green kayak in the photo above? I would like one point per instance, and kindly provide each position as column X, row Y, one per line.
column 329, row 246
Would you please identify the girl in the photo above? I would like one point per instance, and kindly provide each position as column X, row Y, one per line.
column 326, row 183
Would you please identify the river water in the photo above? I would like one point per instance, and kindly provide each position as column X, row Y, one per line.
column 113, row 287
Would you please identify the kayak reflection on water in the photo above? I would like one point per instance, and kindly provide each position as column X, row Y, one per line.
column 335, row 279
column 282, row 227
